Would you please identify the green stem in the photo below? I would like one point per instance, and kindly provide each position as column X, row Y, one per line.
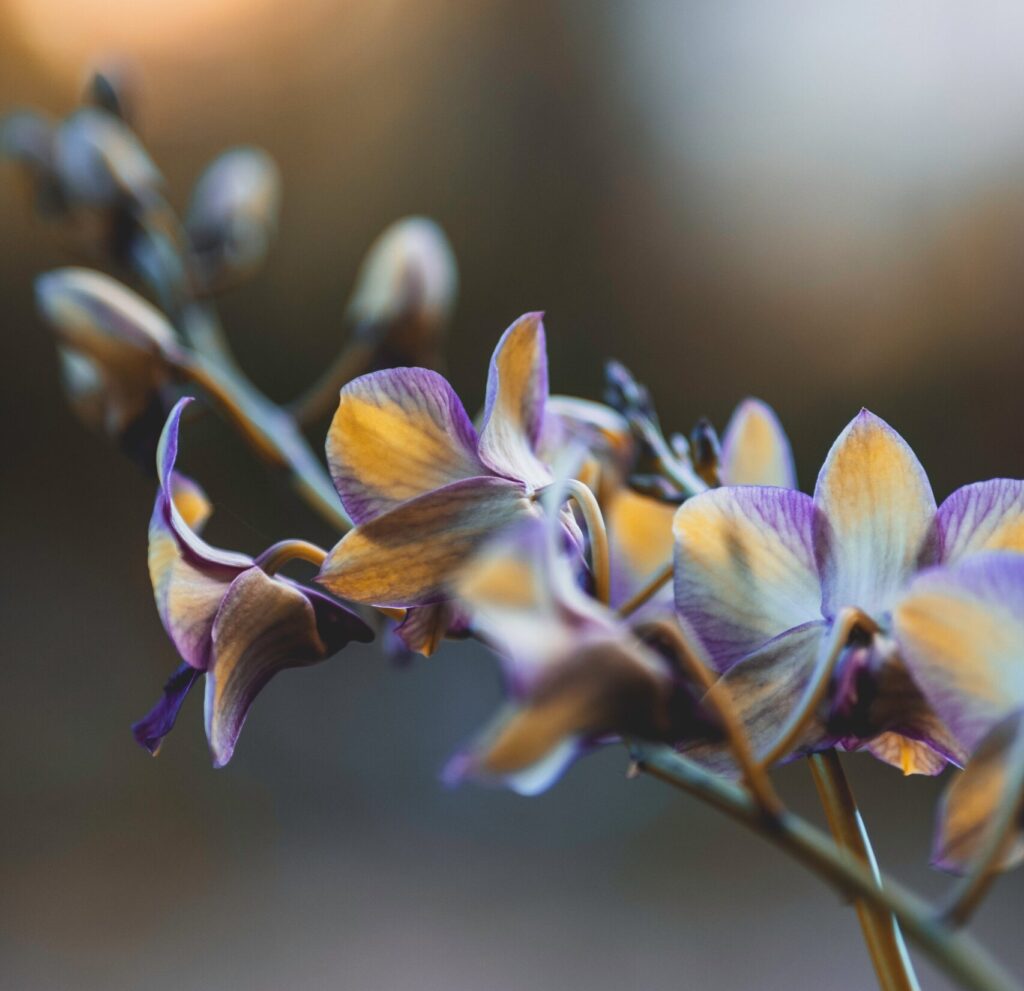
column 960, row 956
column 882, row 934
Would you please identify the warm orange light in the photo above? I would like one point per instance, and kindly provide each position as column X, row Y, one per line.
column 69, row 34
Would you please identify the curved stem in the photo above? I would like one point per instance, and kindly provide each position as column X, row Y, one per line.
column 716, row 694
column 960, row 956
column 277, row 555
column 971, row 889
column 599, row 560
column 651, row 589
column 882, row 934
column 845, row 623
column 321, row 398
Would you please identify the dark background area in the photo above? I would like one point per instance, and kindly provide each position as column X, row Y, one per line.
column 820, row 204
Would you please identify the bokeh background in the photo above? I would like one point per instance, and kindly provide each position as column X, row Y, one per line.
column 818, row 203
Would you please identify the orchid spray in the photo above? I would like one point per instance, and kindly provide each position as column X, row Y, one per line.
column 677, row 597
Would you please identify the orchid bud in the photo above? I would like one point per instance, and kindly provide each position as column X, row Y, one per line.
column 233, row 216
column 99, row 160
column 111, row 89
column 113, row 345
column 406, row 290
column 28, row 139
column 706, row 450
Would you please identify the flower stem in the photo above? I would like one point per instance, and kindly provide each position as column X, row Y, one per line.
column 716, row 694
column 958, row 954
column 278, row 555
column 321, row 398
column 882, row 934
column 651, row 589
column 598, row 534
column 845, row 623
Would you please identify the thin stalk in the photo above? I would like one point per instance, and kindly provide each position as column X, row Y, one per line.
column 278, row 555
column 693, row 657
column 845, row 622
column 882, row 934
column 957, row 953
column 651, row 589
column 598, row 534
column 970, row 891
column 321, row 398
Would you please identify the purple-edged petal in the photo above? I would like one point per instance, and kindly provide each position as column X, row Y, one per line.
column 264, row 626
column 744, row 567
column 522, row 596
column 986, row 516
column 408, row 556
column 970, row 803
column 607, row 687
column 150, row 730
column 879, row 509
column 755, row 448
column 398, row 434
column 424, row 627
column 640, row 545
column 766, row 687
column 961, row 633
column 517, row 387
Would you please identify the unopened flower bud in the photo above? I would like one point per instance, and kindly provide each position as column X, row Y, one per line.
column 99, row 160
column 705, row 450
column 111, row 89
column 113, row 346
column 233, row 216
column 406, row 290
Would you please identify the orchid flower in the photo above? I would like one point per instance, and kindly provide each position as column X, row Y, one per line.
column 755, row 451
column 764, row 574
column 575, row 674
column 228, row 618
column 423, row 486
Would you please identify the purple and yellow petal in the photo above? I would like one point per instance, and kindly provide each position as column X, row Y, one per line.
column 409, row 555
column 986, row 516
column 766, row 687
column 755, row 448
column 517, row 388
column 640, row 544
column 879, row 508
column 961, row 633
column 744, row 567
column 974, row 797
column 396, row 435
column 150, row 730
column 263, row 627
column 607, row 687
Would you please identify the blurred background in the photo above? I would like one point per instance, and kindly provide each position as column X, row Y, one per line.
column 818, row 203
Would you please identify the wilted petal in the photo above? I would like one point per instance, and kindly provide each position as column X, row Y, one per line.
column 151, row 729
column 398, row 434
column 755, row 448
column 973, row 797
column 744, row 567
column 409, row 555
column 607, row 687
column 233, row 214
column 986, row 516
column 517, row 388
column 640, row 544
column 263, row 627
column 766, row 688
column 879, row 508
column 961, row 633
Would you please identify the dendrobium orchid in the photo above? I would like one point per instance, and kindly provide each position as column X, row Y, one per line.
column 575, row 674
column 764, row 575
column 423, row 486
column 228, row 618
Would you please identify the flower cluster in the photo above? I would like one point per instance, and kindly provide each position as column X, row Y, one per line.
column 634, row 587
